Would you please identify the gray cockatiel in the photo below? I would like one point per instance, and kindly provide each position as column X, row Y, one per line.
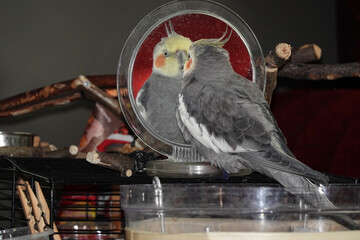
column 157, row 99
column 226, row 118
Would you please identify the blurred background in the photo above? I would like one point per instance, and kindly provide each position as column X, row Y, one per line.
column 44, row 42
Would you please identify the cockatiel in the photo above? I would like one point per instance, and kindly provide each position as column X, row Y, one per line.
column 226, row 118
column 157, row 99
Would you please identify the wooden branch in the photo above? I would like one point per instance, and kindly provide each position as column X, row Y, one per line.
column 40, row 94
column 273, row 61
column 25, row 151
column 320, row 71
column 97, row 95
column 299, row 66
column 41, row 152
column 122, row 163
column 64, row 152
column 81, row 155
column 271, row 82
column 52, row 91
column 306, row 54
column 279, row 56
column 13, row 111
column 54, row 94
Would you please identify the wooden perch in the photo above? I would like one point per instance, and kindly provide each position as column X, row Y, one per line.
column 279, row 56
column 94, row 93
column 122, row 163
column 306, row 54
column 70, row 151
column 301, row 66
column 56, row 94
column 320, row 71
column 23, row 109
column 273, row 61
column 47, row 151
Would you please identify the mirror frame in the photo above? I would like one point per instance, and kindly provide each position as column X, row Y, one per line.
column 138, row 36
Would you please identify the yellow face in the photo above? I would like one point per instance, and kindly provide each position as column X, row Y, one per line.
column 166, row 60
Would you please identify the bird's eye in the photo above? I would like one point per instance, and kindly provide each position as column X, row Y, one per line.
column 189, row 56
column 165, row 54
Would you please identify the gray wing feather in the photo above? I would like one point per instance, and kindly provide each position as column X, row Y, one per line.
column 142, row 98
column 243, row 119
column 158, row 99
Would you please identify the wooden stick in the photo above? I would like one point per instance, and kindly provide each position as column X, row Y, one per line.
column 45, row 209
column 47, row 151
column 273, row 61
column 298, row 67
column 53, row 90
column 122, row 163
column 25, row 151
column 36, row 210
column 27, row 210
column 320, row 71
column 81, row 155
column 63, row 152
column 61, row 93
column 42, row 201
column 279, row 56
column 306, row 53
column 20, row 109
column 271, row 82
column 97, row 95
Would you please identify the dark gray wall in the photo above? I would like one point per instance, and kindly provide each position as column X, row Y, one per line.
column 43, row 42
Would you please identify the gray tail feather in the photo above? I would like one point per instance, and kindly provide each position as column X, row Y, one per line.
column 311, row 193
column 303, row 187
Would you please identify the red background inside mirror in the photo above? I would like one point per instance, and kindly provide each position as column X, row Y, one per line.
column 195, row 27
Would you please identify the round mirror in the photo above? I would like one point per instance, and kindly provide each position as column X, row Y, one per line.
column 149, row 71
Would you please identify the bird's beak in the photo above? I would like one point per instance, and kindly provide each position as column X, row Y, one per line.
column 181, row 56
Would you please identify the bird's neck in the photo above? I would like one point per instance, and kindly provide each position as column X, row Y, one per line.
column 167, row 73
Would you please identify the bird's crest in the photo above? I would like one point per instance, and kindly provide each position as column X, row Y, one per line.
column 215, row 42
column 175, row 41
column 170, row 31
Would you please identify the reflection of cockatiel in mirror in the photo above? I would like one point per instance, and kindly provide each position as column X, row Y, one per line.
column 157, row 98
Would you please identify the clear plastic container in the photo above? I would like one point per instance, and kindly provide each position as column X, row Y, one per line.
column 243, row 211
column 23, row 233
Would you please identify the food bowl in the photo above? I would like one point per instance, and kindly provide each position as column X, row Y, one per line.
column 242, row 211
column 16, row 139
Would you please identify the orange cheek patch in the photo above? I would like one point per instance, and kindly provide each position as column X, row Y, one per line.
column 160, row 61
column 188, row 64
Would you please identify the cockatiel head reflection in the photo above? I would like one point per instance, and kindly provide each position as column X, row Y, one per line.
column 169, row 53
column 157, row 98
